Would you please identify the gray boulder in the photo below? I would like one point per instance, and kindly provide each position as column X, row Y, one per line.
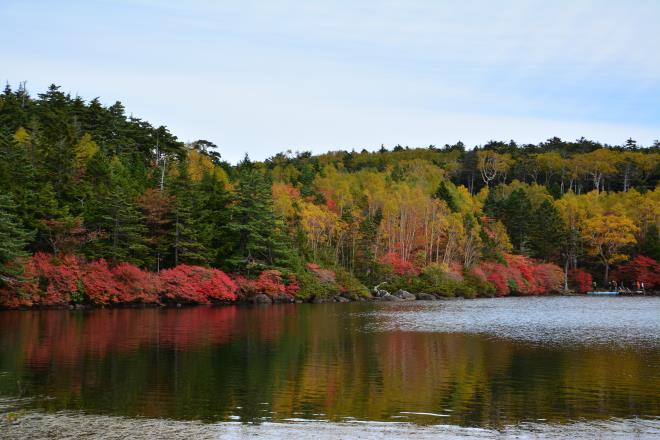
column 341, row 299
column 404, row 295
column 426, row 297
column 390, row 298
column 350, row 296
column 283, row 298
column 260, row 299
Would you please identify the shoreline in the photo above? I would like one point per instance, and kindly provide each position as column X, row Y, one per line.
column 42, row 424
column 337, row 299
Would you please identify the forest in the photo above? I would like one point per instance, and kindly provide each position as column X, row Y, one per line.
column 99, row 207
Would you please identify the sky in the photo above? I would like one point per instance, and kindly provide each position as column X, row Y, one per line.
column 264, row 77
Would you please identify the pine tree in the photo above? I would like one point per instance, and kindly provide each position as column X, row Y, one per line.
column 211, row 214
column 547, row 233
column 444, row 193
column 113, row 213
column 366, row 249
column 186, row 245
column 157, row 207
column 651, row 245
column 253, row 234
column 13, row 238
column 516, row 217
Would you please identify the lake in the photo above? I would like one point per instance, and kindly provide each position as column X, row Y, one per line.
column 552, row 366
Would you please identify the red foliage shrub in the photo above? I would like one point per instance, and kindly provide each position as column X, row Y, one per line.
column 495, row 274
column 10, row 298
column 547, row 278
column 135, row 285
column 196, row 284
column 521, row 276
column 643, row 269
column 99, row 284
column 57, row 278
column 269, row 282
column 478, row 272
column 455, row 271
column 399, row 265
column 581, row 280
column 60, row 280
column 292, row 286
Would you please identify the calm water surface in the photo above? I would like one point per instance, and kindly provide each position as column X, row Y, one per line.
column 487, row 364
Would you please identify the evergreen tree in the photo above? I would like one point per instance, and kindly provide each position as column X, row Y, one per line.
column 517, row 210
column 211, row 213
column 651, row 245
column 253, row 234
column 115, row 215
column 444, row 193
column 186, row 246
column 547, row 233
column 366, row 255
column 13, row 238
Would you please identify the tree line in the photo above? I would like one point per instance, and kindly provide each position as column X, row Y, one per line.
column 80, row 178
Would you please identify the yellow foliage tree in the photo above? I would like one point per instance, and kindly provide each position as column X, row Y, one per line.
column 84, row 150
column 200, row 164
column 605, row 237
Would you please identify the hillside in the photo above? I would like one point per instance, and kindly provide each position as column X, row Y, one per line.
column 81, row 182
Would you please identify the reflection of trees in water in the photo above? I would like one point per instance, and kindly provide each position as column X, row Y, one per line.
column 203, row 363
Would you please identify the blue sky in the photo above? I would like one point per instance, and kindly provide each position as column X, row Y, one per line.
column 267, row 76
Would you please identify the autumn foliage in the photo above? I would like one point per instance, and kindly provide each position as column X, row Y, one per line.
column 50, row 280
column 196, row 284
column 398, row 264
column 580, row 280
column 520, row 275
column 643, row 269
column 269, row 282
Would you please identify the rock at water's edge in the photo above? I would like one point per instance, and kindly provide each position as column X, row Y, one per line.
column 260, row 299
column 406, row 296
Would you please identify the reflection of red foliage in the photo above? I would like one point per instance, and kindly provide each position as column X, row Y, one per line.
column 54, row 335
column 643, row 269
column 581, row 280
column 195, row 284
column 398, row 264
